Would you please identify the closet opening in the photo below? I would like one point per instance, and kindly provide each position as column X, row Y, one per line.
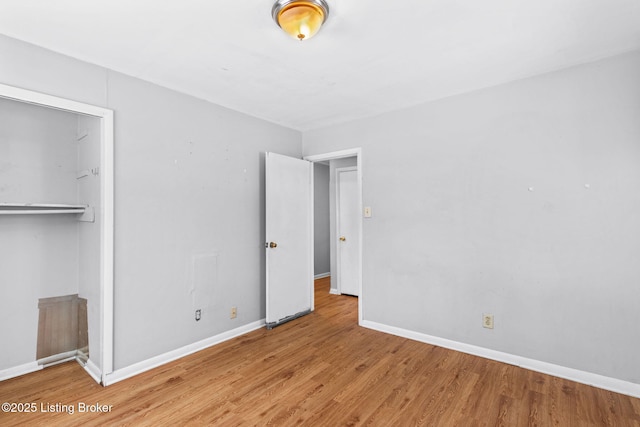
column 56, row 228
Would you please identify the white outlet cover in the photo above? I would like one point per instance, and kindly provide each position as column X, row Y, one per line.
column 487, row 321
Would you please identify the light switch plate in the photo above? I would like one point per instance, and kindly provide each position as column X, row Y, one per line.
column 367, row 212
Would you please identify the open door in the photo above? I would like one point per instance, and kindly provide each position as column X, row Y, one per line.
column 289, row 237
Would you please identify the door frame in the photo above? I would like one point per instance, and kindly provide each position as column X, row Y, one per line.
column 106, row 213
column 338, row 205
column 334, row 155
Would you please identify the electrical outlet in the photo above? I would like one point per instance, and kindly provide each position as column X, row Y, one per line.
column 198, row 314
column 234, row 313
column 487, row 321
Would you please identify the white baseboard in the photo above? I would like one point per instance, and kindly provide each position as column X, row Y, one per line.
column 93, row 370
column 56, row 359
column 154, row 362
column 17, row 371
column 334, row 292
column 595, row 380
column 322, row 275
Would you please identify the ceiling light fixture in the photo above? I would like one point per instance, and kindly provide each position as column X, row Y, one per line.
column 300, row 18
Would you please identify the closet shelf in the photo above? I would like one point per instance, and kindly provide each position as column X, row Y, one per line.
column 40, row 209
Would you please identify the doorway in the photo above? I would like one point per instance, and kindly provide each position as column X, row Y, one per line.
column 349, row 162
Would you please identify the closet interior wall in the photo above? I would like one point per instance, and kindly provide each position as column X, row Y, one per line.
column 47, row 156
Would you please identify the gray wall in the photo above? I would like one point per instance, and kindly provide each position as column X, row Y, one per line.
column 321, row 219
column 189, row 184
column 456, row 232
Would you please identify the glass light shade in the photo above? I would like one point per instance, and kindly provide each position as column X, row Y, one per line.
column 301, row 19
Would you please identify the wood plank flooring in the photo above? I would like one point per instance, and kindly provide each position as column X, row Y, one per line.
column 321, row 370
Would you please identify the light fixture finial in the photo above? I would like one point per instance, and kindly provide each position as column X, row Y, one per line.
column 301, row 19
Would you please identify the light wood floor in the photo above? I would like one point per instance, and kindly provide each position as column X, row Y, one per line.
column 322, row 370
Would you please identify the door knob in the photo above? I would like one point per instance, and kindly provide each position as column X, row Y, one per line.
column 343, row 239
column 273, row 244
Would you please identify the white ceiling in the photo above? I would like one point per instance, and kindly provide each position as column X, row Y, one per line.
column 371, row 56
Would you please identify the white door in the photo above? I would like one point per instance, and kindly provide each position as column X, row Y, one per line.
column 348, row 231
column 289, row 236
